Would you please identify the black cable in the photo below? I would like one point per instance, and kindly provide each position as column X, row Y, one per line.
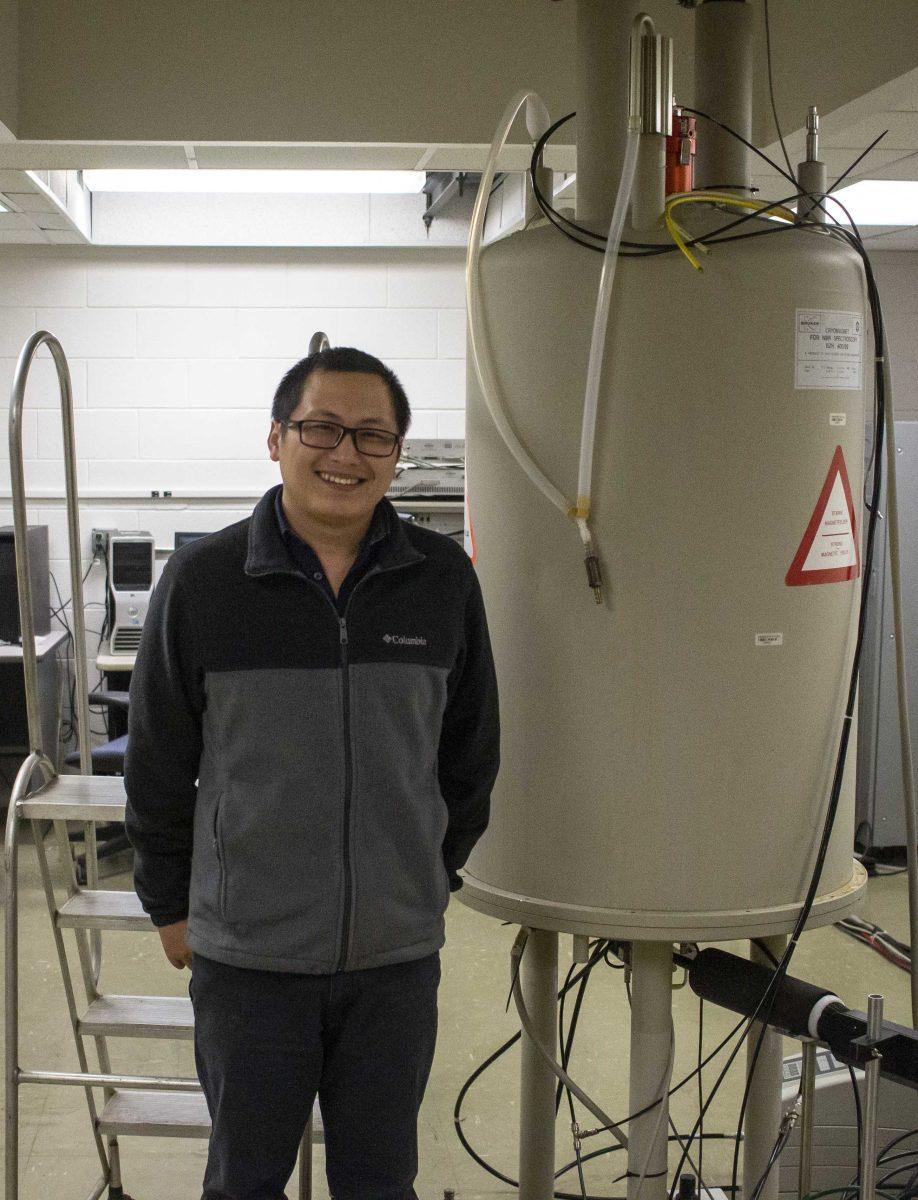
column 489, row 1061
column 558, row 220
column 647, row 249
column 771, row 90
column 788, row 175
column 774, row 984
column 897, row 1141
column 863, row 154
column 859, row 1118
column 510, row 1042
column 766, row 1003
column 700, row 1084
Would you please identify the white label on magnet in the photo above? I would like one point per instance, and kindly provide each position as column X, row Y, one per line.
column 838, row 418
column 769, row 639
column 830, row 348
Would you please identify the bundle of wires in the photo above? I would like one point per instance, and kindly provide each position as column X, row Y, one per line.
column 902, row 1179
column 578, row 977
column 69, row 726
column 889, row 947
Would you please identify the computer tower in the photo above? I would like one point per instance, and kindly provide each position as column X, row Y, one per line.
column 131, row 564
column 9, row 592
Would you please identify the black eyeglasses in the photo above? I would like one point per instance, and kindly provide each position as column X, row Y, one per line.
column 326, row 435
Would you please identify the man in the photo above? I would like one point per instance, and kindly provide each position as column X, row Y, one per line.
column 313, row 741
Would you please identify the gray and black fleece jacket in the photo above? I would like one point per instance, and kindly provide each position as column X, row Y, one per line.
column 303, row 784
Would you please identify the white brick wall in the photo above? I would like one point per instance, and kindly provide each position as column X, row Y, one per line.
column 175, row 355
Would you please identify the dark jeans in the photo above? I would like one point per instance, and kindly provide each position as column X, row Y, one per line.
column 266, row 1042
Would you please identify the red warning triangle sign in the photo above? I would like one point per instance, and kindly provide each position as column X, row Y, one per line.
column 829, row 552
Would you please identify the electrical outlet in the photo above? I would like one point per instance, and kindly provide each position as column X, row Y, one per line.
column 100, row 542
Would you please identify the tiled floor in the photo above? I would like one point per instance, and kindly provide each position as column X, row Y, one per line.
column 57, row 1152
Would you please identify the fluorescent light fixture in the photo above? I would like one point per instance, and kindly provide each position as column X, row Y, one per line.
column 879, row 202
column 328, row 182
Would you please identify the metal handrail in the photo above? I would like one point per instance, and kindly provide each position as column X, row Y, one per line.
column 319, row 342
column 20, row 521
column 11, row 967
column 24, row 577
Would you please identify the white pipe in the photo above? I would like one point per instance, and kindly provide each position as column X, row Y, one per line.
column 762, row 1122
column 650, row 1068
column 478, row 345
column 905, row 742
column 601, row 323
column 538, row 973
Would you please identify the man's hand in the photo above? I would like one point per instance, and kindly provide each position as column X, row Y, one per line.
column 173, row 938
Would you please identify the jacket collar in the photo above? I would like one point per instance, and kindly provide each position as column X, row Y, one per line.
column 267, row 554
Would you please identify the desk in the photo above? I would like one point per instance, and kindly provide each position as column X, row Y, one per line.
column 116, row 672
column 14, row 731
column 110, row 664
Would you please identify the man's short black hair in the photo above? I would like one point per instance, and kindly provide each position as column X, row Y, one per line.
column 339, row 358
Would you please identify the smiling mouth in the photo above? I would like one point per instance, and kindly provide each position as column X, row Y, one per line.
column 340, row 481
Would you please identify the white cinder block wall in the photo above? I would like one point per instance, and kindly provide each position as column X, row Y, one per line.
column 175, row 355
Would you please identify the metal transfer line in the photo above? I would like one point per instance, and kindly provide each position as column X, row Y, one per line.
column 807, row 1118
column 763, row 1108
column 871, row 1101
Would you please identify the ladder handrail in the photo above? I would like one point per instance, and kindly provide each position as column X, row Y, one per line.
column 20, row 521
column 11, row 964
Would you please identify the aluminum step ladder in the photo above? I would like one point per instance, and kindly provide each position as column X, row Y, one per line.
column 131, row 1105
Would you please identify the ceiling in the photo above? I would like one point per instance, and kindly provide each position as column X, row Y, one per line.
column 102, row 88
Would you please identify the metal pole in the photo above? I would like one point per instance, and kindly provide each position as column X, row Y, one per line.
column 763, row 1109
column 871, row 1100
column 807, row 1116
column 539, row 985
column 724, row 36
column 651, row 1065
column 11, row 940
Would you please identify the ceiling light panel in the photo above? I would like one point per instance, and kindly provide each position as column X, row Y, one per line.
column 234, row 181
column 879, row 202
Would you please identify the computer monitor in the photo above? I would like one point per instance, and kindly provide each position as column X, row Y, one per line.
column 183, row 537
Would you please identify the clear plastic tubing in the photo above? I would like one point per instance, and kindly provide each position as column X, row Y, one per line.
column 537, row 121
column 600, row 326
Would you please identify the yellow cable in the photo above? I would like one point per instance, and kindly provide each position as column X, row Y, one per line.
column 678, row 234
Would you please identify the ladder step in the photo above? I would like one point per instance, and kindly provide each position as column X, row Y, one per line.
column 96, row 798
column 155, row 1114
column 103, row 910
column 139, row 1016
column 169, row 1114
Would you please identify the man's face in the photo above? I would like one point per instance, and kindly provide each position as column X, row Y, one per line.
column 339, row 486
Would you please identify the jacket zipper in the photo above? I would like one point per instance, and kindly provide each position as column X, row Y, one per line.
column 348, row 787
column 348, row 762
